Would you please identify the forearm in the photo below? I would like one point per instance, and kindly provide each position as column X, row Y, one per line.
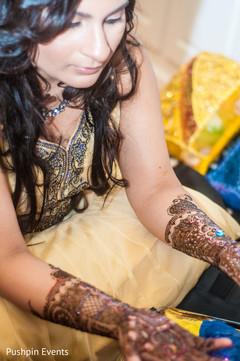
column 173, row 216
column 142, row 334
column 24, row 277
column 59, row 297
column 191, row 231
column 74, row 303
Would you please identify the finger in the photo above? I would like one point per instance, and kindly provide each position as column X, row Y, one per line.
column 133, row 358
column 217, row 343
column 130, row 352
column 147, row 357
column 192, row 356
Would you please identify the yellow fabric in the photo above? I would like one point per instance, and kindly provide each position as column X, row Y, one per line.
column 201, row 109
column 110, row 249
column 187, row 320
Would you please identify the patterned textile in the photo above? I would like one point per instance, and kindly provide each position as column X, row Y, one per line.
column 68, row 173
column 201, row 109
column 201, row 325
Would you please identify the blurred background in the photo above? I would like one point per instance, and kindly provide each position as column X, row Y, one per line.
column 174, row 31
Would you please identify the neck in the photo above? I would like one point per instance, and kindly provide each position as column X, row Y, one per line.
column 52, row 100
column 53, row 94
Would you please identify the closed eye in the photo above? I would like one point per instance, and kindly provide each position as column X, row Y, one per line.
column 113, row 21
column 75, row 24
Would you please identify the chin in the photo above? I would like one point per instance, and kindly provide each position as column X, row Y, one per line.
column 84, row 83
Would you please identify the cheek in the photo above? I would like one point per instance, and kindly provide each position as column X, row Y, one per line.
column 116, row 37
column 49, row 54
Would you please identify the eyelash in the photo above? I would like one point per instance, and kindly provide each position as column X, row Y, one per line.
column 73, row 25
column 113, row 21
column 110, row 21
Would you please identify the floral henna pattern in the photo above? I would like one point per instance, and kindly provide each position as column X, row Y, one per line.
column 191, row 231
column 142, row 334
column 153, row 334
column 74, row 303
column 155, row 337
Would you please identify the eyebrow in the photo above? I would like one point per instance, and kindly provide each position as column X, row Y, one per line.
column 84, row 15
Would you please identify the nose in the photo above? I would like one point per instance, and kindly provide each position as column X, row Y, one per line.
column 96, row 44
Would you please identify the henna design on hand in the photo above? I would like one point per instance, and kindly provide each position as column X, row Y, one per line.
column 154, row 337
column 191, row 231
column 154, row 334
column 142, row 334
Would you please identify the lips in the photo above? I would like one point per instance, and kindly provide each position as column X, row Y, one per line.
column 86, row 70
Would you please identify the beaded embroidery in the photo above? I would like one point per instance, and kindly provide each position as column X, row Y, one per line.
column 68, row 174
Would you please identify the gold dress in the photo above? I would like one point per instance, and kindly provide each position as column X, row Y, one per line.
column 105, row 246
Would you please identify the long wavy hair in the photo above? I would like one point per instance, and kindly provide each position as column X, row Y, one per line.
column 21, row 98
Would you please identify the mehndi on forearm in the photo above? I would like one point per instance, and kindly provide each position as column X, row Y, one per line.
column 145, row 333
column 191, row 231
column 79, row 305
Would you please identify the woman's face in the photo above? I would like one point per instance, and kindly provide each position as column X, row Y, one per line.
column 78, row 56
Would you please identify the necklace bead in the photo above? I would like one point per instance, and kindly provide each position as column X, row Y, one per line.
column 54, row 112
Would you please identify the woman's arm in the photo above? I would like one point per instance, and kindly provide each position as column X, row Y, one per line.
column 155, row 193
column 50, row 293
column 21, row 274
column 59, row 297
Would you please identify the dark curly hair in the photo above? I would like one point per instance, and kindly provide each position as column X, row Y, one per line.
column 21, row 98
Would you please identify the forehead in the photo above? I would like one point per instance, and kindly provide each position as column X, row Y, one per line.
column 100, row 7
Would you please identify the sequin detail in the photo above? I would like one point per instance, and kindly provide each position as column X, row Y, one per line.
column 220, row 233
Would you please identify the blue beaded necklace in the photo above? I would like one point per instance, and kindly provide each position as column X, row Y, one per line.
column 54, row 112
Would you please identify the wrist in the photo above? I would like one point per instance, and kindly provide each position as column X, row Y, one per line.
column 191, row 231
column 229, row 260
column 79, row 305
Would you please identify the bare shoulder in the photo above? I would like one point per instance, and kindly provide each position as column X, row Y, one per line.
column 145, row 100
column 143, row 67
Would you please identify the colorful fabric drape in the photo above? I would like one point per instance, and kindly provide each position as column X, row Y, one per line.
column 203, row 326
column 201, row 109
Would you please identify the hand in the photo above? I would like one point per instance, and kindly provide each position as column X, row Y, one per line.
column 147, row 336
column 230, row 261
column 192, row 232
